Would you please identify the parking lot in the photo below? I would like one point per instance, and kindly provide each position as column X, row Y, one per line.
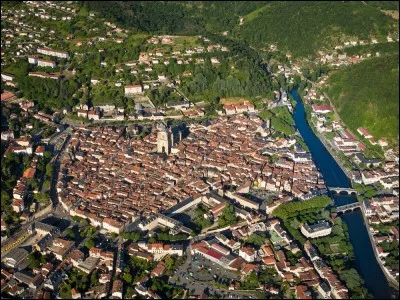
column 198, row 273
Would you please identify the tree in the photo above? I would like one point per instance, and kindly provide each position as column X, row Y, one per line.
column 89, row 243
column 127, row 277
column 351, row 278
column 256, row 239
column 49, row 170
column 227, row 217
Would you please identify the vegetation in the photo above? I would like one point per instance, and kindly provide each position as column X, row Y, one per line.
column 133, row 236
column 294, row 208
column 366, row 95
column 278, row 121
column 256, row 240
column 80, row 281
column 383, row 49
column 160, row 286
column 227, row 217
column 365, row 191
column 36, row 259
column 167, row 237
column 309, row 26
column 135, row 269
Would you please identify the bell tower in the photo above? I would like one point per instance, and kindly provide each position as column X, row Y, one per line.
column 164, row 139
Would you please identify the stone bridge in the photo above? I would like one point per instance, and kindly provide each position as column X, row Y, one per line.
column 340, row 190
column 348, row 207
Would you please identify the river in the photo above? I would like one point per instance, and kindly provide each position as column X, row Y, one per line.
column 365, row 261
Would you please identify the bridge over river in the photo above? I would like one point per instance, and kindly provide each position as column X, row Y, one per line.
column 341, row 190
column 347, row 207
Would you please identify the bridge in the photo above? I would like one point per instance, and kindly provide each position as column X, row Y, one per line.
column 348, row 207
column 339, row 190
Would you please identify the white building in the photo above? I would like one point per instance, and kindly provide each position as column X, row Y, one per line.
column 46, row 63
column 321, row 228
column 133, row 89
column 50, row 52
column 248, row 254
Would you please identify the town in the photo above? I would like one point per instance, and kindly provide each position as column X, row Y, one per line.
column 133, row 180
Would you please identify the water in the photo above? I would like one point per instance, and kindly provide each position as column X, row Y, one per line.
column 365, row 262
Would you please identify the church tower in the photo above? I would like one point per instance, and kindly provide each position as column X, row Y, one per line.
column 164, row 139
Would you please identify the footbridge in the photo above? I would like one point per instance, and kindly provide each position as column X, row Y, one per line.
column 347, row 207
column 340, row 190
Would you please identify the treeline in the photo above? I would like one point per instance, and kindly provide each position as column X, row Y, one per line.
column 366, row 95
column 175, row 17
column 292, row 209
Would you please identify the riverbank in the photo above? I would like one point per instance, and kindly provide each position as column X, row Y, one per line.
column 391, row 279
column 365, row 262
column 329, row 148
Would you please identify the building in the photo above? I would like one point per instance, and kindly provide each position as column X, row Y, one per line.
column 61, row 248
column 42, row 229
column 364, row 132
column 8, row 96
column 7, row 77
column 164, row 139
column 322, row 109
column 46, row 63
column 133, row 89
column 51, row 52
column 247, row 253
column 88, row 264
column 15, row 257
column 44, row 75
column 321, row 228
column 113, row 225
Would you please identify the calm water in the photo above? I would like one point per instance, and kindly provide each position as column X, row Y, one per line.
column 365, row 261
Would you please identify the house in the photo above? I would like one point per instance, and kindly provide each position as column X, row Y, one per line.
column 7, row 134
column 302, row 292
column 7, row 77
column 82, row 113
column 8, row 96
column 364, row 132
column 61, row 248
column 116, row 290
column 75, row 294
column 322, row 109
column 88, row 264
column 112, row 225
column 76, row 257
column 133, row 89
column 383, row 142
column 247, row 253
column 18, row 205
column 159, row 269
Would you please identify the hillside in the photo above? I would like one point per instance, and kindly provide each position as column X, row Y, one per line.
column 367, row 95
column 306, row 26
column 299, row 27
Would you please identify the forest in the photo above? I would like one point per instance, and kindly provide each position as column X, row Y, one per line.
column 307, row 25
column 366, row 95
